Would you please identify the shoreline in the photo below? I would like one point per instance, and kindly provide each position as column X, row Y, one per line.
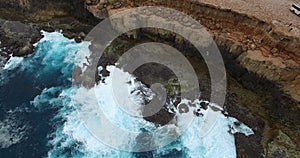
column 259, row 48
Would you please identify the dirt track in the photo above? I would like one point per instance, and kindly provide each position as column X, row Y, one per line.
column 274, row 11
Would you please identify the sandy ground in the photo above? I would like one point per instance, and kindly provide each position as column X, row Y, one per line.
column 273, row 11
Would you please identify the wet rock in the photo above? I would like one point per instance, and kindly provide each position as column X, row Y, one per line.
column 204, row 105
column 216, row 109
column 197, row 113
column 78, row 39
column 183, row 108
column 105, row 72
column 18, row 38
column 2, row 61
column 27, row 49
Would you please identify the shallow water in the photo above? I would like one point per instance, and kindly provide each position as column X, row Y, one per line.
column 39, row 111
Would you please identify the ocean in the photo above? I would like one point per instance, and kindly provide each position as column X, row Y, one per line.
column 40, row 111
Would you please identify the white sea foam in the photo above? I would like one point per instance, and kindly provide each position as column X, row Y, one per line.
column 218, row 143
column 13, row 62
column 72, row 138
column 12, row 130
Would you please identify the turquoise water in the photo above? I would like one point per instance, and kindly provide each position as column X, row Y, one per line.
column 40, row 111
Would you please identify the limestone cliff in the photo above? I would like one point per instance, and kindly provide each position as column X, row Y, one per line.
column 257, row 52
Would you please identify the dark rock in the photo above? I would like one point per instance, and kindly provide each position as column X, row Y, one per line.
column 70, row 16
column 105, row 72
column 237, row 123
column 92, row 2
column 27, row 49
column 18, row 38
column 250, row 146
column 197, row 113
column 204, row 105
column 78, row 39
column 183, row 108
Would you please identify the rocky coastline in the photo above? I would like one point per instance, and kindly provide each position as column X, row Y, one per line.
column 21, row 23
column 258, row 54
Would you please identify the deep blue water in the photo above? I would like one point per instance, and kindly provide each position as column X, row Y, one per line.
column 22, row 82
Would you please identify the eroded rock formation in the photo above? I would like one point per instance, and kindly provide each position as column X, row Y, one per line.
column 256, row 44
column 257, row 53
column 22, row 20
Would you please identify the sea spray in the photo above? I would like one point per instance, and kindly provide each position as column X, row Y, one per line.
column 50, row 68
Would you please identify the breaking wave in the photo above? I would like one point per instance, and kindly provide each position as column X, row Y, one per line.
column 48, row 74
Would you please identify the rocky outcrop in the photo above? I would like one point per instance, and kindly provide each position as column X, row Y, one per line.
column 256, row 52
column 21, row 4
column 273, row 54
column 23, row 20
column 17, row 38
